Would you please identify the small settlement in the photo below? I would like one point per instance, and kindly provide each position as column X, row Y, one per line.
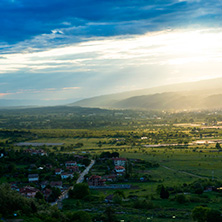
column 43, row 174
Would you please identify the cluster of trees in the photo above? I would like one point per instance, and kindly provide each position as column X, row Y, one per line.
column 205, row 214
column 14, row 205
column 12, row 202
column 80, row 118
column 79, row 191
column 109, row 155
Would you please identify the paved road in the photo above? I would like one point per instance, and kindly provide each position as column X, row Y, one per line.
column 65, row 195
column 81, row 177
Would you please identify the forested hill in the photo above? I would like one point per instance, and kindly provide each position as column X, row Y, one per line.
column 172, row 101
column 205, row 94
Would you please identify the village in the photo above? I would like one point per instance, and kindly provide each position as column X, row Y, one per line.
column 50, row 181
column 41, row 176
column 94, row 182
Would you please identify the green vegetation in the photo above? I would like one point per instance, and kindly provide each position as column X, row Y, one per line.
column 173, row 165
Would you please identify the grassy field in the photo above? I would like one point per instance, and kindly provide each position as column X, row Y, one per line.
column 202, row 163
column 177, row 166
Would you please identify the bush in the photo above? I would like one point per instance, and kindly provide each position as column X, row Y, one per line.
column 205, row 214
column 79, row 191
column 181, row 199
column 198, row 191
column 143, row 204
column 164, row 194
column 80, row 216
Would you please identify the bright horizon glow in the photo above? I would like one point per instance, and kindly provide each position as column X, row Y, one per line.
column 180, row 55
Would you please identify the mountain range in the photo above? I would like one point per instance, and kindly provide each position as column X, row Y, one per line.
column 205, row 94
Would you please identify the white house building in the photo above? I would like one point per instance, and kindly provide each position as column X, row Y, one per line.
column 33, row 178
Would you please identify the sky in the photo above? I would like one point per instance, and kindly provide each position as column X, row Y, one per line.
column 63, row 50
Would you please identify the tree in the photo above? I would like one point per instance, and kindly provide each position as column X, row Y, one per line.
column 80, row 216
column 117, row 199
column 205, row 214
column 115, row 154
column 39, row 196
column 181, row 199
column 56, row 192
column 105, row 155
column 120, row 193
column 86, row 162
column 199, row 214
column 78, row 145
column 11, row 201
column 79, row 191
column 218, row 146
column 214, row 216
column 164, row 194
column 199, row 190
column 110, row 215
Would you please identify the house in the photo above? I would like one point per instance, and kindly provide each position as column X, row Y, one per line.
column 70, row 163
column 142, row 179
column 56, row 184
column 96, row 180
column 39, row 152
column 32, row 166
column 119, row 161
column 120, row 170
column 73, row 169
column 46, row 193
column 33, row 178
column 36, row 152
column 14, row 186
column 110, row 178
column 79, row 157
column 58, row 171
column 28, row 191
column 81, row 165
column 66, row 175
column 144, row 138
column 43, row 184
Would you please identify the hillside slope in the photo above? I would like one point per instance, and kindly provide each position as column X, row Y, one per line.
column 195, row 95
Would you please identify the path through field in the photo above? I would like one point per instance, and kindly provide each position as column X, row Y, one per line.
column 184, row 172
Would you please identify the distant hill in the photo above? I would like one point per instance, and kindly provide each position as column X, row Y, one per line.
column 23, row 103
column 172, row 101
column 205, row 94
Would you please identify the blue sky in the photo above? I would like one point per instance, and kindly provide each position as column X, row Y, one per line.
column 67, row 50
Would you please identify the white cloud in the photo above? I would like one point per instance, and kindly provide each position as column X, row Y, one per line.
column 176, row 49
column 71, row 88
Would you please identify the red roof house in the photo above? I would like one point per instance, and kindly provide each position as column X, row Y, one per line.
column 96, row 181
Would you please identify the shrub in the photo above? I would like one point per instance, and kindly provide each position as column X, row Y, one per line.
column 79, row 191
column 181, row 199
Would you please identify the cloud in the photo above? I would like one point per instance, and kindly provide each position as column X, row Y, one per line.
column 45, row 24
column 70, row 88
column 111, row 64
column 4, row 94
column 103, row 54
column 71, row 49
